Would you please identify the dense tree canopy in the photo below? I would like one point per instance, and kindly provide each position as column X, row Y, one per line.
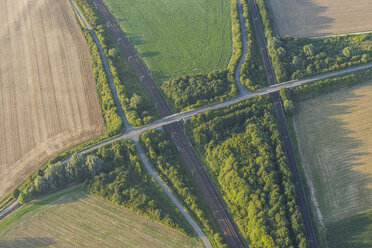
column 252, row 73
column 115, row 173
column 167, row 162
column 242, row 147
column 193, row 91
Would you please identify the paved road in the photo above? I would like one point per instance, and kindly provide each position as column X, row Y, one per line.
column 106, row 67
column 223, row 219
column 309, row 231
column 140, row 69
column 244, row 40
column 133, row 133
column 11, row 207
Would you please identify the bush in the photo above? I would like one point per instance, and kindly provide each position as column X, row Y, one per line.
column 252, row 73
column 307, row 57
column 15, row 193
column 193, row 91
column 24, row 197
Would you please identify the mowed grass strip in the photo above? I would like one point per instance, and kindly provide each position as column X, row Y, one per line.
column 177, row 38
column 334, row 134
column 77, row 219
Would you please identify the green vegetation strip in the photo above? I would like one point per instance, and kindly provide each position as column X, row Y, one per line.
column 115, row 173
column 167, row 163
column 295, row 58
column 242, row 149
column 252, row 72
column 137, row 106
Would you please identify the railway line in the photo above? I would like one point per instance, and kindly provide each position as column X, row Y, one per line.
column 171, row 123
column 187, row 152
column 309, row 230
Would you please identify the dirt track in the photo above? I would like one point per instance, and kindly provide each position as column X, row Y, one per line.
column 47, row 90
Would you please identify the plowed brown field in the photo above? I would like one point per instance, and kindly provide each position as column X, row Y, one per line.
column 308, row 18
column 48, row 99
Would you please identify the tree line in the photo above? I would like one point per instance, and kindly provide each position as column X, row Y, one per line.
column 252, row 72
column 168, row 164
column 113, row 123
column 320, row 87
column 137, row 106
column 115, row 173
column 237, row 49
column 193, row 91
column 294, row 58
column 243, row 151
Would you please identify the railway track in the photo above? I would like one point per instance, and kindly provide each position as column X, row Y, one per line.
column 212, row 199
column 187, row 152
column 309, row 231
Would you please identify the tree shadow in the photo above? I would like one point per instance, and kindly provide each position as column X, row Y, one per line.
column 135, row 39
column 342, row 186
column 355, row 231
column 149, row 54
column 301, row 18
column 28, row 242
column 68, row 197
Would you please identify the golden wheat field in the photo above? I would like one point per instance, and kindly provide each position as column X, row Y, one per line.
column 47, row 90
column 308, row 18
column 334, row 133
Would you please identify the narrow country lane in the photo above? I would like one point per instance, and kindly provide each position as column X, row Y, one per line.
column 170, row 121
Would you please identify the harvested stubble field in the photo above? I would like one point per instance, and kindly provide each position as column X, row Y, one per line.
column 309, row 18
column 334, row 133
column 78, row 219
column 47, row 91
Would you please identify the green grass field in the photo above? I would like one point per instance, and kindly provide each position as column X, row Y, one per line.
column 76, row 219
column 334, row 134
column 177, row 38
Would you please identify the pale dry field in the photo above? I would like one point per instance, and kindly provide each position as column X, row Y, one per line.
column 309, row 18
column 82, row 220
column 334, row 133
column 47, row 90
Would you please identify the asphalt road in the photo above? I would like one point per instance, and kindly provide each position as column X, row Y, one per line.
column 11, row 207
column 309, row 231
column 171, row 196
column 171, row 122
column 223, row 219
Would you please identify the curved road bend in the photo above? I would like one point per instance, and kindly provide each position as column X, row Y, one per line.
column 227, row 226
column 134, row 133
column 105, row 65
